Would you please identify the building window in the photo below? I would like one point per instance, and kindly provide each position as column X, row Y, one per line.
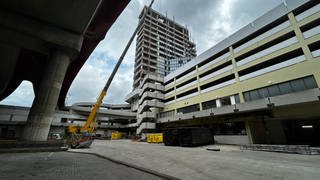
column 166, row 114
column 310, row 82
column 254, row 95
column 237, row 98
column 263, row 92
column 285, row 88
column 225, row 101
column 189, row 109
column 281, row 88
column 209, row 104
column 273, row 90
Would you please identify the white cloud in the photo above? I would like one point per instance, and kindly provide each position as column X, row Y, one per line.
column 120, row 33
column 22, row 96
column 92, row 78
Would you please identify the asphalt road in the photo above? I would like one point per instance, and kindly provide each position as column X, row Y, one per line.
column 64, row 166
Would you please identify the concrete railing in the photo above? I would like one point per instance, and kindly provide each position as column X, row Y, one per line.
column 223, row 84
column 263, row 36
column 215, row 61
column 316, row 53
column 186, row 76
column 150, row 103
column 145, row 116
column 308, row 12
column 275, row 67
column 107, row 112
column 265, row 103
column 151, row 95
column 133, row 94
column 152, row 77
column 216, row 73
column 144, row 126
column 158, row 87
column 267, row 51
column 312, row 32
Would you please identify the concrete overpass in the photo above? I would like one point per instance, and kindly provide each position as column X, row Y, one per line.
column 14, row 118
column 47, row 42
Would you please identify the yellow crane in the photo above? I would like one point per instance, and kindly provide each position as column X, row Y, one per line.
column 82, row 136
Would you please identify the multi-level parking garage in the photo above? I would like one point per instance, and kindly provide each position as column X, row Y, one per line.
column 260, row 85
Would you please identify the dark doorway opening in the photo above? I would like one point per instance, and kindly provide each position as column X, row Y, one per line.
column 304, row 132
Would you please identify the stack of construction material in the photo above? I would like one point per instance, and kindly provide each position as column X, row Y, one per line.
column 187, row 136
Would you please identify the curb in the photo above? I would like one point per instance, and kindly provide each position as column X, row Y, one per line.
column 161, row 175
column 31, row 150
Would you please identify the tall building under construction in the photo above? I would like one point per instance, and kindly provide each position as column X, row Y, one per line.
column 162, row 46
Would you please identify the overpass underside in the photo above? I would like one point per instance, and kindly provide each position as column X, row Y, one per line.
column 47, row 42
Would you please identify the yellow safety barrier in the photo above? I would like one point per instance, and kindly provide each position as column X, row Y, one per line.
column 155, row 138
column 117, row 135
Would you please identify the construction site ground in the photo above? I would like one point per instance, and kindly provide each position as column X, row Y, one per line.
column 199, row 163
column 65, row 166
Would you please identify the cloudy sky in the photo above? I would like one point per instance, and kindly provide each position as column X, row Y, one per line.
column 209, row 21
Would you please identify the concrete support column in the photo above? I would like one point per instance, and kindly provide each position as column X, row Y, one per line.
column 249, row 133
column 46, row 97
column 317, row 78
column 218, row 103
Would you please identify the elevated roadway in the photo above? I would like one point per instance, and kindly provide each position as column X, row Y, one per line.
column 115, row 111
column 47, row 42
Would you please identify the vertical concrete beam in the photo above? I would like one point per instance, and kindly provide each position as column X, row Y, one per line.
column 46, row 98
column 235, row 71
column 198, row 79
column 317, row 78
column 198, row 85
column 256, row 131
column 299, row 36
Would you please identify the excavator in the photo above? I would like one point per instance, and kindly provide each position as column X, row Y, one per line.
column 82, row 136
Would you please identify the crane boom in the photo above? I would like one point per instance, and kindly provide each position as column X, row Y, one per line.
column 97, row 105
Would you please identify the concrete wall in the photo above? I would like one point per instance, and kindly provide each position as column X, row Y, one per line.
column 231, row 139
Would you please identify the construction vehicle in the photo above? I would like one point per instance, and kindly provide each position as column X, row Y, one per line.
column 83, row 136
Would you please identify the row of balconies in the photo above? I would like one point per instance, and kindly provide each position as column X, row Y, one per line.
column 152, row 77
column 165, row 26
column 152, row 86
column 149, row 104
column 151, row 95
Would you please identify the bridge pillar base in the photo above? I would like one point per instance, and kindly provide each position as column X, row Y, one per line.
column 46, row 98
